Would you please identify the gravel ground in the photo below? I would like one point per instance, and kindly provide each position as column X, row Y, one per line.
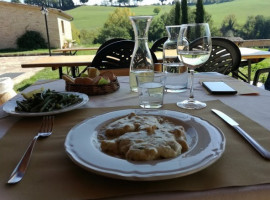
column 11, row 67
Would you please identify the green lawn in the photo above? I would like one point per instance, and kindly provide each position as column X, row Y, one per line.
column 93, row 17
column 240, row 8
column 43, row 74
column 4, row 52
column 263, row 64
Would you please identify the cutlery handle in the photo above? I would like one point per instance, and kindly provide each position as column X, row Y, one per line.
column 21, row 167
column 264, row 153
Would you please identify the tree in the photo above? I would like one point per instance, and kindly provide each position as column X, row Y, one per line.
column 229, row 26
column 184, row 9
column 35, row 2
column 261, row 27
column 157, row 28
column 118, row 24
column 247, row 32
column 67, row 4
column 162, row 1
column 60, row 4
column 157, row 10
column 83, row 1
column 15, row 1
column 122, row 1
column 177, row 17
column 199, row 12
column 256, row 28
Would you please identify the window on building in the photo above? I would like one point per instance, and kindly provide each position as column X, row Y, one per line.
column 63, row 27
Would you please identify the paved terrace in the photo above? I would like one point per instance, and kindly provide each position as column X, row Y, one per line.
column 11, row 67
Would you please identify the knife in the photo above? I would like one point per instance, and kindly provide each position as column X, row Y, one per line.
column 264, row 153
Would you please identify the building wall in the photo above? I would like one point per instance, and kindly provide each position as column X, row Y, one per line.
column 16, row 19
column 65, row 32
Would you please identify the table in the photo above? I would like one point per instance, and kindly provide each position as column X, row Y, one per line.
column 73, row 51
column 250, row 55
column 123, row 97
column 57, row 62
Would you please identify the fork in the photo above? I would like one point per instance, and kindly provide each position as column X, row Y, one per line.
column 44, row 131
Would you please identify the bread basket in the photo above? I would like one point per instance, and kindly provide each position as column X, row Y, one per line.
column 92, row 90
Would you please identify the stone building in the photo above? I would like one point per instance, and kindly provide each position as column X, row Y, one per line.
column 16, row 19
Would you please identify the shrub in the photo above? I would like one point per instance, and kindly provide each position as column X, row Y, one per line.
column 157, row 28
column 117, row 25
column 75, row 34
column 31, row 40
column 87, row 37
column 157, row 10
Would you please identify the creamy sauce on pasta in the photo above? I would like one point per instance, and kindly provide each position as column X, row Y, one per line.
column 142, row 138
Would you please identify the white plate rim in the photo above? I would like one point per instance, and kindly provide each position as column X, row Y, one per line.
column 135, row 170
column 9, row 106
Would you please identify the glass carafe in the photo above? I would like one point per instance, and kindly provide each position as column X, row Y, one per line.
column 141, row 61
column 176, row 72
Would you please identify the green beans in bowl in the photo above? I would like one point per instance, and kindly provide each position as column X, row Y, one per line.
column 46, row 101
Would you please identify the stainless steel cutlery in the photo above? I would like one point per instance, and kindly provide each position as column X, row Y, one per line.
column 44, row 131
column 264, row 153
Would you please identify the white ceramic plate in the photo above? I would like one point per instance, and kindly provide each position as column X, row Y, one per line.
column 206, row 145
column 10, row 106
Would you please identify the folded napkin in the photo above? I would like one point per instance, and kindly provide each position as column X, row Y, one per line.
column 242, row 88
column 52, row 175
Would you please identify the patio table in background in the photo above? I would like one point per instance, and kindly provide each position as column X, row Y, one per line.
column 57, row 62
column 73, row 51
column 250, row 55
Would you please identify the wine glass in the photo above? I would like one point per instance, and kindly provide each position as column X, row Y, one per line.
column 194, row 47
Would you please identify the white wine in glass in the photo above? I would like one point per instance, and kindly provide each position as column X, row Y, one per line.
column 194, row 47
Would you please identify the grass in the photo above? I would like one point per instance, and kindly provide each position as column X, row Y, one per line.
column 41, row 75
column 254, row 67
column 4, row 52
column 240, row 8
column 45, row 74
column 10, row 52
column 93, row 17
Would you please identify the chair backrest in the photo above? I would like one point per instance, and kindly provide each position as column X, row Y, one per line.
column 225, row 57
column 258, row 73
column 116, row 55
column 267, row 82
column 158, row 44
column 110, row 41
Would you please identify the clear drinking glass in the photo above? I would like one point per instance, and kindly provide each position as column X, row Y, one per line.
column 151, row 89
column 194, row 47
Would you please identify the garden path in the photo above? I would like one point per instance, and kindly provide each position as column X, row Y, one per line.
column 11, row 67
